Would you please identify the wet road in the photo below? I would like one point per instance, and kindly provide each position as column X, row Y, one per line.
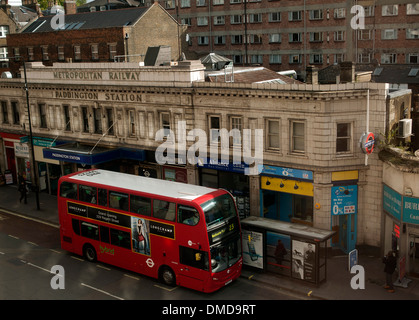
column 29, row 249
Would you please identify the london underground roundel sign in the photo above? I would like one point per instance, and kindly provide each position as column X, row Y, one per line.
column 367, row 142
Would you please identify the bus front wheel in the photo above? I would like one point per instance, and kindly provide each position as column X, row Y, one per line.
column 167, row 276
column 89, row 252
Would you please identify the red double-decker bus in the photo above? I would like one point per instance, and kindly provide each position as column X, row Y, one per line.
column 183, row 234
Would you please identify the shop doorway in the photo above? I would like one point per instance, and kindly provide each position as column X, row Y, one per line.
column 414, row 255
column 345, row 236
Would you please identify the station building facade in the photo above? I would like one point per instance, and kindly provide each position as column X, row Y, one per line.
column 313, row 171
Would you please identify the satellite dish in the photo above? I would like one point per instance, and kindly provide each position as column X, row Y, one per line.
column 6, row 75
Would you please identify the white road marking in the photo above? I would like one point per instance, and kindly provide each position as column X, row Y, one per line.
column 101, row 291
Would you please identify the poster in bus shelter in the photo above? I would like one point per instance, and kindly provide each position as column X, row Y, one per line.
column 252, row 248
column 303, row 260
column 140, row 235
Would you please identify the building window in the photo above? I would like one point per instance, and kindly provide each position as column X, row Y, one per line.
column 389, row 10
column 275, row 38
column 109, row 115
column 77, row 53
column 97, row 112
column 15, row 112
column 3, row 57
column 4, row 112
column 275, row 59
column 200, row 3
column 412, row 33
column 274, row 17
column 4, row 31
column 339, row 36
column 219, row 20
column 255, row 18
column 316, row 14
column 316, row 36
column 389, row 34
column 369, row 11
column 412, row 8
column 295, row 58
column 388, row 58
column 236, row 19
column 316, row 58
column 165, row 122
column 236, row 125
column 343, row 137
column 42, row 110
column 45, row 55
column 294, row 16
column 170, row 4
column 67, row 118
column 214, row 128
column 412, row 58
column 30, row 54
column 185, row 3
column 364, row 58
column 364, row 34
column 202, row 40
column 95, row 51
column 297, row 136
column 219, row 39
column 256, row 59
column 339, row 13
column 339, row 57
column 237, row 39
column 61, row 53
column 217, row 2
column 187, row 21
column 85, row 119
column 256, row 38
column 112, row 51
column 272, row 134
column 131, row 119
column 202, row 21
column 294, row 37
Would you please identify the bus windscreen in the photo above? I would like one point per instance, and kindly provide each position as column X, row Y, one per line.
column 219, row 209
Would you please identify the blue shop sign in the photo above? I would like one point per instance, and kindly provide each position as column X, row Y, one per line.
column 344, row 199
column 411, row 210
column 392, row 202
column 93, row 158
column 216, row 164
column 286, row 172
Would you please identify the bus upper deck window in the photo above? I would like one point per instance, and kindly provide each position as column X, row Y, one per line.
column 68, row 190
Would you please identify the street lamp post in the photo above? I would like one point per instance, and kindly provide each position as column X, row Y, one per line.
column 31, row 137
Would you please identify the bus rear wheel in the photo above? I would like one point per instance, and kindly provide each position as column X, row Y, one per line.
column 89, row 253
column 167, row 276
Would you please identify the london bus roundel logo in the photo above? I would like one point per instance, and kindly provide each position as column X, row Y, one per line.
column 367, row 142
column 150, row 263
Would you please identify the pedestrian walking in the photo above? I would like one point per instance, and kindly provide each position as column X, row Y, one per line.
column 22, row 188
column 390, row 262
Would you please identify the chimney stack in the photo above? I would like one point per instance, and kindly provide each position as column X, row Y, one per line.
column 70, row 7
column 347, row 71
column 312, row 75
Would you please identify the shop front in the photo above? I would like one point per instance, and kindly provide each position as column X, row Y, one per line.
column 344, row 209
column 11, row 169
column 293, row 250
column 286, row 194
column 230, row 176
column 401, row 229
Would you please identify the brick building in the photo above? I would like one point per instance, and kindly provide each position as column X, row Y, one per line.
column 282, row 35
column 103, row 36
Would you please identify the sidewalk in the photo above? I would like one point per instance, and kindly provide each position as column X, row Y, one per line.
column 336, row 287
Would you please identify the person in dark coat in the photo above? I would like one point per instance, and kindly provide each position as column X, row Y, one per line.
column 22, row 188
column 390, row 263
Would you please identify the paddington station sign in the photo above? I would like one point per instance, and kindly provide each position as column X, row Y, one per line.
column 101, row 96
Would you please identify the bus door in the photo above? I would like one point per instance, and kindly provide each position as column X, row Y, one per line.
column 194, row 266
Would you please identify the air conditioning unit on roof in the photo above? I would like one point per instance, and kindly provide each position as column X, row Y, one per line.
column 405, row 128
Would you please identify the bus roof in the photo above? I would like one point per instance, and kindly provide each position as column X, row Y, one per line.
column 142, row 184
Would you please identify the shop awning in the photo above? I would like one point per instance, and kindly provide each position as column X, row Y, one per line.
column 292, row 229
column 90, row 155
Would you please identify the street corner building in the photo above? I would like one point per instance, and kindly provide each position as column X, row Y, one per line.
column 317, row 181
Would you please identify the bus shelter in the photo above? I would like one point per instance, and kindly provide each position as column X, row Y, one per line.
column 293, row 250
